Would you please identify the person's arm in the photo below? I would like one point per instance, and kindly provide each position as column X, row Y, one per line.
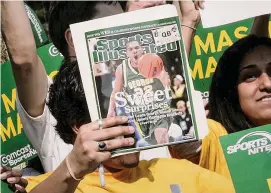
column 189, row 20
column 85, row 156
column 260, row 26
column 164, row 78
column 117, row 88
column 28, row 70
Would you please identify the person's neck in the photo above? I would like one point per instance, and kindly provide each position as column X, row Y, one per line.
column 111, row 170
column 259, row 123
column 134, row 64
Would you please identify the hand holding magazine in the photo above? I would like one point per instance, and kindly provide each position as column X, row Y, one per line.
column 134, row 64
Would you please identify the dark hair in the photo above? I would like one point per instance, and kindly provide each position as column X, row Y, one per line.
column 224, row 99
column 64, row 13
column 67, row 101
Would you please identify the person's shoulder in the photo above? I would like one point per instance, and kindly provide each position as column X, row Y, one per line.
column 216, row 128
column 119, row 68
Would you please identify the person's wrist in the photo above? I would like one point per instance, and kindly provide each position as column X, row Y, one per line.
column 188, row 22
column 74, row 167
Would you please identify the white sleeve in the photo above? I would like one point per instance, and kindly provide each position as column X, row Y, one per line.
column 35, row 127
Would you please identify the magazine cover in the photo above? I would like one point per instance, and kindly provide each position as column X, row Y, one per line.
column 242, row 150
column 138, row 69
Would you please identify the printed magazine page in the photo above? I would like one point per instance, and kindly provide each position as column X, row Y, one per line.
column 138, row 70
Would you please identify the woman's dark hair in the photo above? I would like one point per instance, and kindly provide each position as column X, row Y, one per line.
column 224, row 99
column 67, row 101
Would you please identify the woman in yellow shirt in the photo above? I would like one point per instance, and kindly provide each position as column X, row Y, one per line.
column 240, row 96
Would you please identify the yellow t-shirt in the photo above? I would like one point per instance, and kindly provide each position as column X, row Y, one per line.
column 153, row 176
column 212, row 157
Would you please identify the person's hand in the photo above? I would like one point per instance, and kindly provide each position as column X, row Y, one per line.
column 111, row 113
column 136, row 5
column 206, row 107
column 199, row 4
column 86, row 156
column 13, row 178
column 190, row 13
column 189, row 151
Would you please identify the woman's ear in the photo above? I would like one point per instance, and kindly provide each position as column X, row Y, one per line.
column 68, row 37
column 75, row 129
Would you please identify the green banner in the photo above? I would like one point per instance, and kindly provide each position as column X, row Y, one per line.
column 248, row 155
column 37, row 28
column 5, row 188
column 15, row 147
column 208, row 46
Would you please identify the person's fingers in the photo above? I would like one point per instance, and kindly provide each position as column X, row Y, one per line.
column 108, row 122
column 206, row 107
column 19, row 189
column 201, row 4
column 196, row 3
column 5, row 175
column 4, row 169
column 206, row 113
column 16, row 173
column 161, row 2
column 10, row 173
column 117, row 143
column 112, row 132
column 18, row 180
column 103, row 156
column 113, row 121
column 206, row 104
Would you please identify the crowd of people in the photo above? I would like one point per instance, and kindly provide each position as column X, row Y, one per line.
column 57, row 122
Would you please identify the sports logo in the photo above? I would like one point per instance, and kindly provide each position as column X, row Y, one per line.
column 254, row 143
column 53, row 51
column 16, row 157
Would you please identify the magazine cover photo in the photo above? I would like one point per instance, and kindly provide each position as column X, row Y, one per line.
column 141, row 76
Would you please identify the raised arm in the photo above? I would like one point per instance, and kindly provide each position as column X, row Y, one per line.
column 85, row 156
column 117, row 88
column 189, row 20
column 260, row 26
column 28, row 70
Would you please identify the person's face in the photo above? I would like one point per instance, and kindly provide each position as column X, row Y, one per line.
column 181, row 107
column 134, row 51
column 177, row 82
column 124, row 161
column 254, row 86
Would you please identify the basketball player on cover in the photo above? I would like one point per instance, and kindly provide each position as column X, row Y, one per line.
column 127, row 74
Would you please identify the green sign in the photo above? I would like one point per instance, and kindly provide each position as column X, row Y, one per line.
column 248, row 155
column 208, row 46
column 15, row 147
column 5, row 188
column 37, row 28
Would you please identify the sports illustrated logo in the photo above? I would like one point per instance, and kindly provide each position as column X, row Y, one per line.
column 17, row 156
column 254, row 143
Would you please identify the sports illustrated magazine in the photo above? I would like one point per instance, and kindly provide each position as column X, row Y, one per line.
column 139, row 69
